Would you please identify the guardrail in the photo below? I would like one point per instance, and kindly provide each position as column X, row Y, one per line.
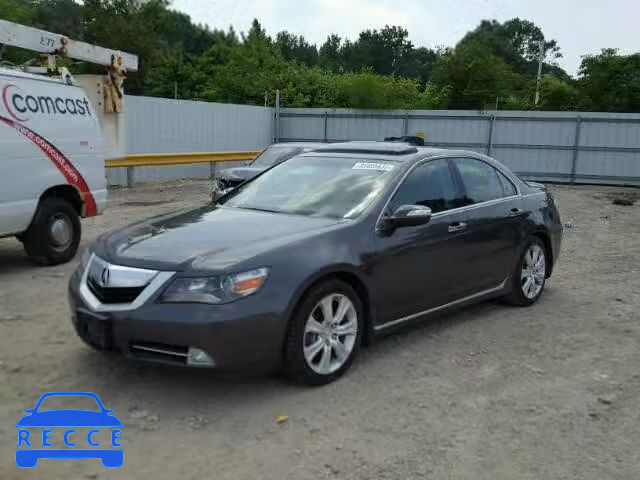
column 167, row 159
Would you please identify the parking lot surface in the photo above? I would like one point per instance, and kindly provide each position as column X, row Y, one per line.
column 491, row 392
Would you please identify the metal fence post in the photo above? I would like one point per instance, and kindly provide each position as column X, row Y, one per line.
column 130, row 176
column 406, row 124
column 212, row 170
column 576, row 149
column 492, row 121
column 326, row 120
column 277, row 118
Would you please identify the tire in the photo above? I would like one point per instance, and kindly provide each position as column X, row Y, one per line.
column 523, row 292
column 322, row 336
column 54, row 234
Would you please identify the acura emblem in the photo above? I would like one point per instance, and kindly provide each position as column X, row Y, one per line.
column 104, row 276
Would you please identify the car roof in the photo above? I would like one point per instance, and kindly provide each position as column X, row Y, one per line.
column 398, row 152
column 388, row 151
column 298, row 144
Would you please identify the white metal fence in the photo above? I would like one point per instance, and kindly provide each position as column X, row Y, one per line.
column 553, row 146
column 160, row 125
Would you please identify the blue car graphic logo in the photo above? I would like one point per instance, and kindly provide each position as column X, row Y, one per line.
column 32, row 446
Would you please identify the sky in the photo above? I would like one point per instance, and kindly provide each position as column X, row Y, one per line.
column 580, row 26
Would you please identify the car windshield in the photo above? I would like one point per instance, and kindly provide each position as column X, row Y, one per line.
column 315, row 186
column 273, row 155
column 63, row 402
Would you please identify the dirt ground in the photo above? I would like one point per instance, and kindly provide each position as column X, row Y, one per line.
column 493, row 392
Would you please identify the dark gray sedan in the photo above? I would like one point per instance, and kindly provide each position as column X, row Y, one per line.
column 316, row 256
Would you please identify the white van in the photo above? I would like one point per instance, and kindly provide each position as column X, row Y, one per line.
column 51, row 164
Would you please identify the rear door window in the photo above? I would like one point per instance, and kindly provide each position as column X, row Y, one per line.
column 480, row 180
column 431, row 185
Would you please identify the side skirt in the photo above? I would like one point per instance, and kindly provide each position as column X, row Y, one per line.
column 476, row 297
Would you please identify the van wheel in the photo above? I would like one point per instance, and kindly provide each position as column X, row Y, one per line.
column 54, row 234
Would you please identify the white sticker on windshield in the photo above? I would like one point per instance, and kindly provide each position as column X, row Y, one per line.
column 385, row 167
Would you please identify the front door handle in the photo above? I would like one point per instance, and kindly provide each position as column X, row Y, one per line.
column 514, row 212
column 457, row 227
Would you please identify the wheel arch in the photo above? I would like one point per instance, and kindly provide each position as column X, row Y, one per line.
column 546, row 241
column 349, row 275
column 68, row 193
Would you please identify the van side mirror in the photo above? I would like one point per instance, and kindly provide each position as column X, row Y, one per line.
column 409, row 216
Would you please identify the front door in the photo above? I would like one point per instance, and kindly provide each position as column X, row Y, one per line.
column 419, row 268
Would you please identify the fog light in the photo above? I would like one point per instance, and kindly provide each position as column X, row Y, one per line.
column 199, row 358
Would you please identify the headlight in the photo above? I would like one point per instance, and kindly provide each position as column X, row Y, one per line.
column 219, row 289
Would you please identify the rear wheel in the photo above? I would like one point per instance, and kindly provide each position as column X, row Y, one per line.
column 325, row 334
column 529, row 276
column 54, row 234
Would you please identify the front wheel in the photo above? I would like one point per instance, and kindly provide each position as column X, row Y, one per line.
column 325, row 334
column 529, row 276
column 54, row 234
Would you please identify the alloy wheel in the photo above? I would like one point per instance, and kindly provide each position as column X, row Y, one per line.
column 330, row 334
column 533, row 271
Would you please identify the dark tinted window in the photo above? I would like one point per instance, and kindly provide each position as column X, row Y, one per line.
column 431, row 185
column 507, row 186
column 480, row 180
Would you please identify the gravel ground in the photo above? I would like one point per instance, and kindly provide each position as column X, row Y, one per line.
column 492, row 392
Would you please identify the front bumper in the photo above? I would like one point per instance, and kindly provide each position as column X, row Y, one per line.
column 244, row 335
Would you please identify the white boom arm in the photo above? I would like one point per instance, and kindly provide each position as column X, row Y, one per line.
column 44, row 42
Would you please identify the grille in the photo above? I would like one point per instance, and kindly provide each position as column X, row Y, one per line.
column 113, row 294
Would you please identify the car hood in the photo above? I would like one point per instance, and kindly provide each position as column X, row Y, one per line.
column 207, row 238
column 240, row 173
column 69, row 418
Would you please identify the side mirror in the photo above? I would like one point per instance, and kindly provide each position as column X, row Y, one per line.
column 409, row 216
column 219, row 193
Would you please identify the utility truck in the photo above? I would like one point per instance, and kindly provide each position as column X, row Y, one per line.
column 53, row 143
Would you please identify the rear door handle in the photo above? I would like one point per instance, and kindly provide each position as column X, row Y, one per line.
column 457, row 227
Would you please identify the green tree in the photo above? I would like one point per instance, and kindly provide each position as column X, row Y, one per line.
column 382, row 50
column 475, row 77
column 610, row 82
column 330, row 54
column 557, row 93
column 516, row 42
column 494, row 63
column 19, row 11
column 294, row 48
column 418, row 63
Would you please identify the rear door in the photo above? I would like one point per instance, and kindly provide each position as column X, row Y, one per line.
column 493, row 216
column 418, row 268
